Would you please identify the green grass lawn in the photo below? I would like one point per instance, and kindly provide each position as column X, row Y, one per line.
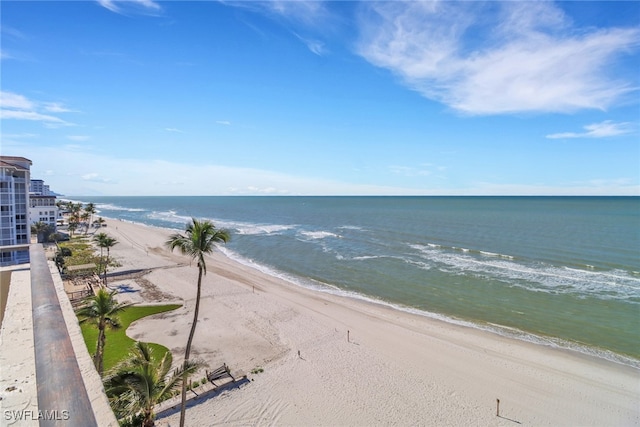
column 118, row 344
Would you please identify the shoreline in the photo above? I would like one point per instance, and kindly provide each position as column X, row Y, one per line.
column 371, row 363
column 500, row 330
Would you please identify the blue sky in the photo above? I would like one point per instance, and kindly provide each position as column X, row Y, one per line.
column 313, row 98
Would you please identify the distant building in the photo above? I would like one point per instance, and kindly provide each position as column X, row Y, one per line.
column 42, row 205
column 43, row 209
column 14, row 212
column 37, row 186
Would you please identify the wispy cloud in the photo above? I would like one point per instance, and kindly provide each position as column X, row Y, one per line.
column 95, row 177
column 15, row 101
column 531, row 60
column 421, row 170
column 57, row 107
column 299, row 16
column 409, row 171
column 223, row 122
column 307, row 12
column 32, row 115
column 19, row 107
column 20, row 135
column 314, row 45
column 78, row 138
column 126, row 6
column 176, row 130
column 597, row 130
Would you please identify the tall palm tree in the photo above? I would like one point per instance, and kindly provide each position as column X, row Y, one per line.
column 141, row 381
column 103, row 240
column 84, row 217
column 199, row 240
column 90, row 209
column 98, row 239
column 74, row 216
column 102, row 310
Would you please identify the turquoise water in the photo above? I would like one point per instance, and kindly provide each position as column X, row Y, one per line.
column 561, row 271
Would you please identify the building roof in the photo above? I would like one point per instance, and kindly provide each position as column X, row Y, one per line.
column 19, row 163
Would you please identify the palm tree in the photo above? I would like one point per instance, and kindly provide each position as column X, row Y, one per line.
column 73, row 216
column 100, row 221
column 99, row 239
column 103, row 240
column 199, row 240
column 102, row 310
column 84, row 217
column 73, row 225
column 41, row 230
column 90, row 209
column 140, row 382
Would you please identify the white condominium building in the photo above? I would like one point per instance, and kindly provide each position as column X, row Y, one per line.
column 43, row 209
column 14, row 212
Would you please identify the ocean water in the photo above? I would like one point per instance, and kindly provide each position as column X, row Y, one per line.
column 558, row 271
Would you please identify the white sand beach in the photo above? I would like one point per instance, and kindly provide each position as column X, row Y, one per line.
column 330, row 361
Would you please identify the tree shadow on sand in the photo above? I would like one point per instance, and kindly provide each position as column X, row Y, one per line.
column 202, row 397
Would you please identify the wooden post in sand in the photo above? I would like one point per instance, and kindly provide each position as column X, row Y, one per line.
column 497, row 407
column 348, row 339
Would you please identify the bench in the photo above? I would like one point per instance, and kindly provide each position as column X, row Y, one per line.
column 219, row 373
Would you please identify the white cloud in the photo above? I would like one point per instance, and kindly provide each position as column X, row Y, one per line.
column 223, row 122
column 117, row 6
column 56, row 107
column 314, row 45
column 530, row 60
column 124, row 176
column 309, row 13
column 15, row 101
column 109, row 4
column 597, row 130
column 19, row 107
column 110, row 175
column 173, row 130
column 32, row 115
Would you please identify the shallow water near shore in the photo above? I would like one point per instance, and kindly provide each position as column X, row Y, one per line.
column 561, row 271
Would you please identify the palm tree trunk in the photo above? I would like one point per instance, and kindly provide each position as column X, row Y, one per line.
column 105, row 268
column 101, row 260
column 148, row 418
column 100, row 349
column 188, row 349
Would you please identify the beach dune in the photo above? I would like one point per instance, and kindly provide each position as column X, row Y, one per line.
column 328, row 360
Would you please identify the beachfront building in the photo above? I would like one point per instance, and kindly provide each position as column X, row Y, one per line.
column 15, row 230
column 43, row 209
column 42, row 204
